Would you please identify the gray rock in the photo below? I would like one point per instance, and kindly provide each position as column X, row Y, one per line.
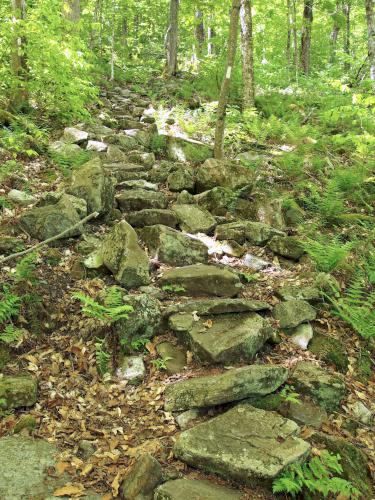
column 302, row 335
column 10, row 244
column 152, row 217
column 255, row 263
column 232, row 385
column 142, row 137
column 143, row 322
column 203, row 280
column 21, row 197
column 185, row 418
column 194, row 489
column 207, row 307
column 293, row 312
column 287, row 246
column 140, row 199
column 244, row 444
column 92, row 184
column 185, row 198
column 224, row 173
column 194, row 219
column 187, row 150
column 174, row 357
column 17, row 391
column 325, row 389
column 64, row 149
column 115, row 154
column 74, row 135
column 97, row 146
column 256, row 233
column 142, row 479
column 132, row 369
column 229, row 338
column 146, row 159
column 182, row 179
column 264, row 209
column 217, row 200
column 139, row 184
column 124, row 257
column 299, row 292
column 172, row 247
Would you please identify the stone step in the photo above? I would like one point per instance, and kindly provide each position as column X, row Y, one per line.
column 233, row 385
column 244, row 444
column 139, row 199
column 194, row 489
column 152, row 217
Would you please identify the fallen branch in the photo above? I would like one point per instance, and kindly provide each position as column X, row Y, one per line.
column 49, row 240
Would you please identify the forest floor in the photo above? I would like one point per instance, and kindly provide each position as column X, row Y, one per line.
column 76, row 403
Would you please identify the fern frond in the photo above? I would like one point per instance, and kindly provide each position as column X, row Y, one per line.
column 9, row 306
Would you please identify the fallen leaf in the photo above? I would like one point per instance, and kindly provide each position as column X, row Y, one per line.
column 116, row 485
column 70, row 490
column 61, row 467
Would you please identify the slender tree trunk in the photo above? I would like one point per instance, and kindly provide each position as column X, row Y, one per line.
column 72, row 10
column 224, row 92
column 247, row 49
column 172, row 38
column 289, row 32
column 19, row 62
column 295, row 38
column 210, row 37
column 370, row 4
column 334, row 33
column 199, row 32
column 306, row 36
column 346, row 10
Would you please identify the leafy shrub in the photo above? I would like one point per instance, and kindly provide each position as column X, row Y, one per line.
column 318, row 475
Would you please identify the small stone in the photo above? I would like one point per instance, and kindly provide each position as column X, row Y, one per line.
column 139, row 184
column 362, row 413
column 142, row 479
column 18, row 391
column 293, row 312
column 194, row 219
column 10, row 244
column 27, row 422
column 181, row 179
column 194, row 489
column 132, row 369
column 224, row 173
column 140, row 199
column 86, row 449
column 287, row 246
column 255, row 263
column 174, row 357
column 74, row 135
column 152, row 217
column 21, row 198
column 330, row 350
column 302, row 335
column 97, row 146
column 185, row 418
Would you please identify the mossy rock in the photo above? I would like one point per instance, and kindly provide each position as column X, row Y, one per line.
column 329, row 350
column 4, row 356
column 365, row 366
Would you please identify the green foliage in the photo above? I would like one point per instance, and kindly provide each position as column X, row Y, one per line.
column 136, row 344
column 102, row 356
column 328, row 253
column 9, row 306
column 288, row 394
column 173, row 288
column 357, row 305
column 113, row 308
column 11, row 334
column 319, row 475
column 158, row 144
column 25, row 269
column 160, row 363
column 69, row 162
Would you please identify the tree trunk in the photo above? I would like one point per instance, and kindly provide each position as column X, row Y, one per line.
column 19, row 62
column 371, row 36
column 295, row 41
column 306, row 36
column 334, row 33
column 247, row 49
column 289, row 32
column 172, row 38
column 72, row 10
column 199, row 32
column 346, row 10
column 224, row 92
column 210, row 37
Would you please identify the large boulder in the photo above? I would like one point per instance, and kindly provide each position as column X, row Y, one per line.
column 244, row 444
column 293, row 312
column 140, row 199
column 46, row 221
column 143, row 322
column 194, row 219
column 195, row 489
column 141, row 479
column 182, row 178
column 265, row 209
column 152, row 217
column 326, row 389
column 255, row 233
column 233, row 385
column 187, row 150
column 225, row 338
column 172, row 247
column 287, row 246
column 16, row 392
column 75, row 135
column 203, row 280
column 217, row 201
column 223, row 173
column 124, row 257
column 92, row 184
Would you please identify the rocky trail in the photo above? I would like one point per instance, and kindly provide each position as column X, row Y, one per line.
column 229, row 366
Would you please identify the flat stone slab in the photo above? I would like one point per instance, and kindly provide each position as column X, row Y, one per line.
column 256, row 233
column 225, row 338
column 293, row 312
column 244, row 444
column 194, row 219
column 152, row 217
column 204, row 280
column 194, row 489
column 173, row 247
column 139, row 199
column 232, row 385
column 207, row 307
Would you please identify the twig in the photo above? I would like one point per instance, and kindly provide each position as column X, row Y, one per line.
column 49, row 240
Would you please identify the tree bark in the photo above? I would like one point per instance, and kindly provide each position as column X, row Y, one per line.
column 371, row 36
column 224, row 92
column 295, row 40
column 210, row 37
column 172, row 38
column 72, row 10
column 199, row 32
column 247, row 49
column 334, row 33
column 346, row 10
column 19, row 61
column 306, row 36
column 289, row 32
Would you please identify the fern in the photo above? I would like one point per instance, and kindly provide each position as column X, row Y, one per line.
column 9, row 306
column 25, row 269
column 67, row 162
column 357, row 305
column 102, row 356
column 10, row 335
column 316, row 476
column 113, row 309
column 327, row 254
